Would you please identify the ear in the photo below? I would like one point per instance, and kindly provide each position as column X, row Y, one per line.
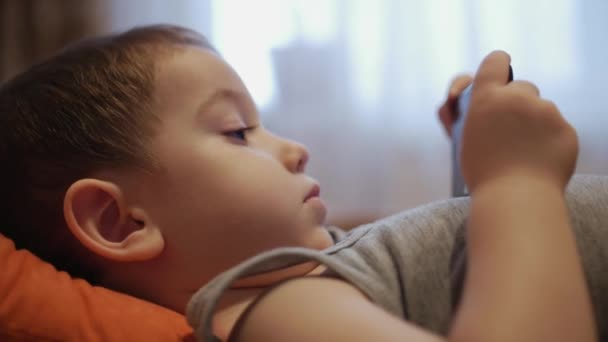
column 97, row 214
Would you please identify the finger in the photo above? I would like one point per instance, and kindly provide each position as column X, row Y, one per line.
column 459, row 84
column 525, row 86
column 494, row 69
column 446, row 118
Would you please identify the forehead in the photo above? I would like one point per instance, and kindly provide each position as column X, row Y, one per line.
column 193, row 73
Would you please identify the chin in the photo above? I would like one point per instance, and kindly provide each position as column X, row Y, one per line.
column 321, row 239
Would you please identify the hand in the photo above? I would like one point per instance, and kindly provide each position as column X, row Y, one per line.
column 510, row 130
column 448, row 113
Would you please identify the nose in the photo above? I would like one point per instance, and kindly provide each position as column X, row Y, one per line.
column 294, row 156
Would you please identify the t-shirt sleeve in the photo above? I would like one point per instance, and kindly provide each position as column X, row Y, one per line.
column 413, row 264
column 203, row 304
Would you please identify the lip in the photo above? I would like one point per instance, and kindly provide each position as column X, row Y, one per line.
column 314, row 192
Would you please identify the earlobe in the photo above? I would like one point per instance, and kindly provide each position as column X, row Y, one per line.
column 97, row 214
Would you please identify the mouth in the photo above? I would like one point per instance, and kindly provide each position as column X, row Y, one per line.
column 314, row 192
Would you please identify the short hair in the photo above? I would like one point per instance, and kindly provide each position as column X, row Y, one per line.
column 88, row 107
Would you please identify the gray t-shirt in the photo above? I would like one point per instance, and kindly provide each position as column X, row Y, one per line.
column 412, row 264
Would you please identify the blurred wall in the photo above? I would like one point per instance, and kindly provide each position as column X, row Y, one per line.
column 359, row 81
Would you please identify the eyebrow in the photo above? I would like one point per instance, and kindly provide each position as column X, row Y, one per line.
column 220, row 94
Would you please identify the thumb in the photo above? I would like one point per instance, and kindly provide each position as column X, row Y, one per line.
column 493, row 70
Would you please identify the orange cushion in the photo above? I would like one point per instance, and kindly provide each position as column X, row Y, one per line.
column 39, row 303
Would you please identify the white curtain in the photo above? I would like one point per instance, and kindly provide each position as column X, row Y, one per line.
column 359, row 81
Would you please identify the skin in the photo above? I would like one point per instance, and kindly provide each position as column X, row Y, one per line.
column 229, row 189
column 225, row 174
column 447, row 112
column 526, row 176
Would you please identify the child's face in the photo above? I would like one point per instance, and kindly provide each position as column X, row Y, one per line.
column 224, row 194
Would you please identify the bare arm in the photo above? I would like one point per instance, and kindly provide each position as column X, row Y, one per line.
column 525, row 281
column 323, row 310
column 524, row 284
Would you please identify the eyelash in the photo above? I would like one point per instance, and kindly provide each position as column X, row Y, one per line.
column 240, row 134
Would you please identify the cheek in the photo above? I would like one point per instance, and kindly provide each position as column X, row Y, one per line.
column 213, row 193
column 251, row 192
column 232, row 221
column 254, row 194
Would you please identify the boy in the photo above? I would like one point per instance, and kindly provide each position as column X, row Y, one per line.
column 144, row 158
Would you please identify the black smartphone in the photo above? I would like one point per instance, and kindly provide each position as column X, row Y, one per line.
column 459, row 188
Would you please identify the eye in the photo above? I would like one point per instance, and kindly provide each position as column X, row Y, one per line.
column 239, row 134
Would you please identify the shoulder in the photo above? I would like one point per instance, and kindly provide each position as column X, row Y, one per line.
column 319, row 309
